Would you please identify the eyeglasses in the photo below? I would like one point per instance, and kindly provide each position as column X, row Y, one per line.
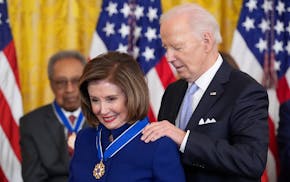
column 63, row 83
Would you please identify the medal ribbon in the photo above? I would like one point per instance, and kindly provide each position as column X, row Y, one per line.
column 121, row 141
column 60, row 115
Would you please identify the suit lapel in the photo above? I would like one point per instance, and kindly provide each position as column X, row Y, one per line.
column 177, row 100
column 212, row 94
column 207, row 102
column 55, row 128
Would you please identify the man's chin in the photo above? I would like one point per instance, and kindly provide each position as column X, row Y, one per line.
column 71, row 107
column 181, row 74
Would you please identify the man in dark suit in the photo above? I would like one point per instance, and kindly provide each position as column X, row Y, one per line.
column 47, row 133
column 225, row 137
column 283, row 138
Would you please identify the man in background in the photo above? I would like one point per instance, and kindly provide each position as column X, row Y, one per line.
column 47, row 134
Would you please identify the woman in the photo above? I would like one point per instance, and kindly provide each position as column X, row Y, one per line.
column 115, row 102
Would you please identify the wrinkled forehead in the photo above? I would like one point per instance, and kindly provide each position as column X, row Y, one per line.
column 67, row 68
column 177, row 30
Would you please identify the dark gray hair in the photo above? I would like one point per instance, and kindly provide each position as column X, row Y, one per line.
column 63, row 55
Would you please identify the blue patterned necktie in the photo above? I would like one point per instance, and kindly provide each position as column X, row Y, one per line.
column 186, row 110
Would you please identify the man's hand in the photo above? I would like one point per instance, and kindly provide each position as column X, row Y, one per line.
column 156, row 130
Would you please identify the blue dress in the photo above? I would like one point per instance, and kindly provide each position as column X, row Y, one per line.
column 136, row 162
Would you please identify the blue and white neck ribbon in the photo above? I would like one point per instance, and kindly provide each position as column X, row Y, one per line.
column 60, row 115
column 120, row 142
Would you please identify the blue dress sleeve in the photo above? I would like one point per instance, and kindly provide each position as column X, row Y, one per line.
column 167, row 166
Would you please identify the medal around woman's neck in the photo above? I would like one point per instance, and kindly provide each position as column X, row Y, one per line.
column 120, row 142
column 99, row 170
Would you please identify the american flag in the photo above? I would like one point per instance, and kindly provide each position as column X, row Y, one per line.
column 10, row 103
column 261, row 46
column 132, row 26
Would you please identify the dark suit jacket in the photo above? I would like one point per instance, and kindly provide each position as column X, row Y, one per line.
column 283, row 138
column 137, row 162
column 235, row 147
column 43, row 146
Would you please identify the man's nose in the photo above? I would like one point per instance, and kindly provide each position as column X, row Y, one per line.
column 70, row 86
column 169, row 55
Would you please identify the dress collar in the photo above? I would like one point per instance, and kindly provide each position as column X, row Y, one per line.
column 115, row 132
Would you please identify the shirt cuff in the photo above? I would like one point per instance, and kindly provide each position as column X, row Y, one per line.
column 184, row 141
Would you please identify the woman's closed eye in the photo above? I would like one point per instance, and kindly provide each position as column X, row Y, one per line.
column 94, row 100
column 111, row 98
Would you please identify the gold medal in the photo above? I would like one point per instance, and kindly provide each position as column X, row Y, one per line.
column 71, row 140
column 99, row 170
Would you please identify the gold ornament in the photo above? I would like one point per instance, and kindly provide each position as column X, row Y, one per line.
column 99, row 170
column 71, row 140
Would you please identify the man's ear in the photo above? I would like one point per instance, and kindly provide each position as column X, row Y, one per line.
column 208, row 41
